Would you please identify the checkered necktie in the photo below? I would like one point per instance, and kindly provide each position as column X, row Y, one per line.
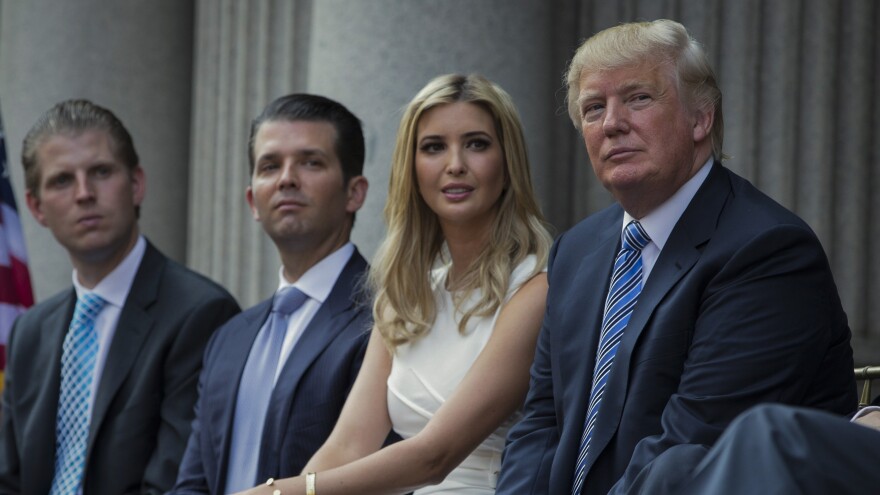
column 255, row 390
column 74, row 412
column 626, row 285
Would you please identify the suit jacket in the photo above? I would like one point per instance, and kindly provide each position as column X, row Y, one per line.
column 772, row 448
column 740, row 308
column 307, row 398
column 143, row 405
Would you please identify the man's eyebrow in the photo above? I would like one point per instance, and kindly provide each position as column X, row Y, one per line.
column 310, row 152
column 307, row 152
column 623, row 87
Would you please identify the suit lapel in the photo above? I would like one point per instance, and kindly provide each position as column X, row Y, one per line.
column 230, row 365
column 578, row 348
column 52, row 331
column 328, row 322
column 134, row 324
column 681, row 252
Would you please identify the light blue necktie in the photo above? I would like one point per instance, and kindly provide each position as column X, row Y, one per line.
column 80, row 349
column 255, row 390
column 626, row 285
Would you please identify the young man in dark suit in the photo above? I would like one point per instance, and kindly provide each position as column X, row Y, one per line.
column 275, row 377
column 102, row 377
column 691, row 299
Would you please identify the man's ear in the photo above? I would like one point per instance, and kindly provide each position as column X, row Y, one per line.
column 249, row 196
column 138, row 185
column 703, row 120
column 357, row 193
column 34, row 204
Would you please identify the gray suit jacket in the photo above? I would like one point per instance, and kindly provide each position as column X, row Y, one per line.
column 144, row 403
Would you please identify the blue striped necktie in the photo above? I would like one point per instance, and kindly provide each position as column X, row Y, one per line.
column 626, row 285
column 255, row 390
column 80, row 349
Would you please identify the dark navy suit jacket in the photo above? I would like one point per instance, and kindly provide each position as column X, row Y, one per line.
column 307, row 398
column 740, row 308
column 144, row 404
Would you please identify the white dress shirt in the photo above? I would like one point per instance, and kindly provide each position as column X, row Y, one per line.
column 316, row 283
column 660, row 222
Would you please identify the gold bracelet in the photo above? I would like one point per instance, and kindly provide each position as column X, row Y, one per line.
column 310, row 484
column 271, row 482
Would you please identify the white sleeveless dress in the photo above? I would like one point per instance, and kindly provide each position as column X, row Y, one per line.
column 426, row 372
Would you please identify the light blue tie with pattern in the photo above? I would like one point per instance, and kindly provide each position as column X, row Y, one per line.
column 80, row 349
column 255, row 390
column 626, row 285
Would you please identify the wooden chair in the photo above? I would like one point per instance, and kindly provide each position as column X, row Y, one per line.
column 867, row 373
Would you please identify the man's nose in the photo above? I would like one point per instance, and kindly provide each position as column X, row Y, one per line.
column 616, row 118
column 289, row 175
column 84, row 189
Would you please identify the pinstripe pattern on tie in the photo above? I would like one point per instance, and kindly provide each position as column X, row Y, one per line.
column 623, row 292
column 80, row 348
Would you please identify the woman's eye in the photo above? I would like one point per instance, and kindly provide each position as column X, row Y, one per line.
column 478, row 144
column 432, row 147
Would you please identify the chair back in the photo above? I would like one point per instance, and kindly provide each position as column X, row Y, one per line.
column 866, row 373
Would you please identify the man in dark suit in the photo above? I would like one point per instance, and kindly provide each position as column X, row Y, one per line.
column 691, row 299
column 102, row 377
column 773, row 448
column 259, row 414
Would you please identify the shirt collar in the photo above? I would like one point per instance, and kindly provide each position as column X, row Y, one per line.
column 660, row 222
column 114, row 288
column 319, row 280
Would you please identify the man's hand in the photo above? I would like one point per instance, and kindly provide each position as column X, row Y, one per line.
column 871, row 420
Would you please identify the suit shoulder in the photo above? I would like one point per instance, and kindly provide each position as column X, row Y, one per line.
column 258, row 311
column 587, row 231
column 191, row 284
column 38, row 311
column 763, row 212
column 253, row 316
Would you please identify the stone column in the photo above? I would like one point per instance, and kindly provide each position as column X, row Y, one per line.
column 371, row 56
column 130, row 56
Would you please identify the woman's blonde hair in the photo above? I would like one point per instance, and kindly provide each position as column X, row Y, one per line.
column 403, row 306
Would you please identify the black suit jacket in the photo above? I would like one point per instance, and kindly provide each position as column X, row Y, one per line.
column 143, row 406
column 306, row 401
column 740, row 308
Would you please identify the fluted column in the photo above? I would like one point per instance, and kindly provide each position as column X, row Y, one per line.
column 130, row 56
column 246, row 54
column 371, row 56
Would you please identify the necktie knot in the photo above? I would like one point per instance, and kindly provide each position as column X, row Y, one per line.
column 87, row 308
column 288, row 300
column 634, row 236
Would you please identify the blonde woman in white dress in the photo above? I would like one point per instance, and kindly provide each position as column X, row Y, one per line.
column 459, row 294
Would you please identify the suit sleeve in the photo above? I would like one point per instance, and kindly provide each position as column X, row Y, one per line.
column 183, row 364
column 10, row 463
column 769, row 328
column 531, row 443
column 192, row 479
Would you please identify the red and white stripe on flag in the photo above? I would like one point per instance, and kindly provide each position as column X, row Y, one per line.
column 16, row 294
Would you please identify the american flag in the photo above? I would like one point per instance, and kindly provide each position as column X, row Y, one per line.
column 15, row 281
